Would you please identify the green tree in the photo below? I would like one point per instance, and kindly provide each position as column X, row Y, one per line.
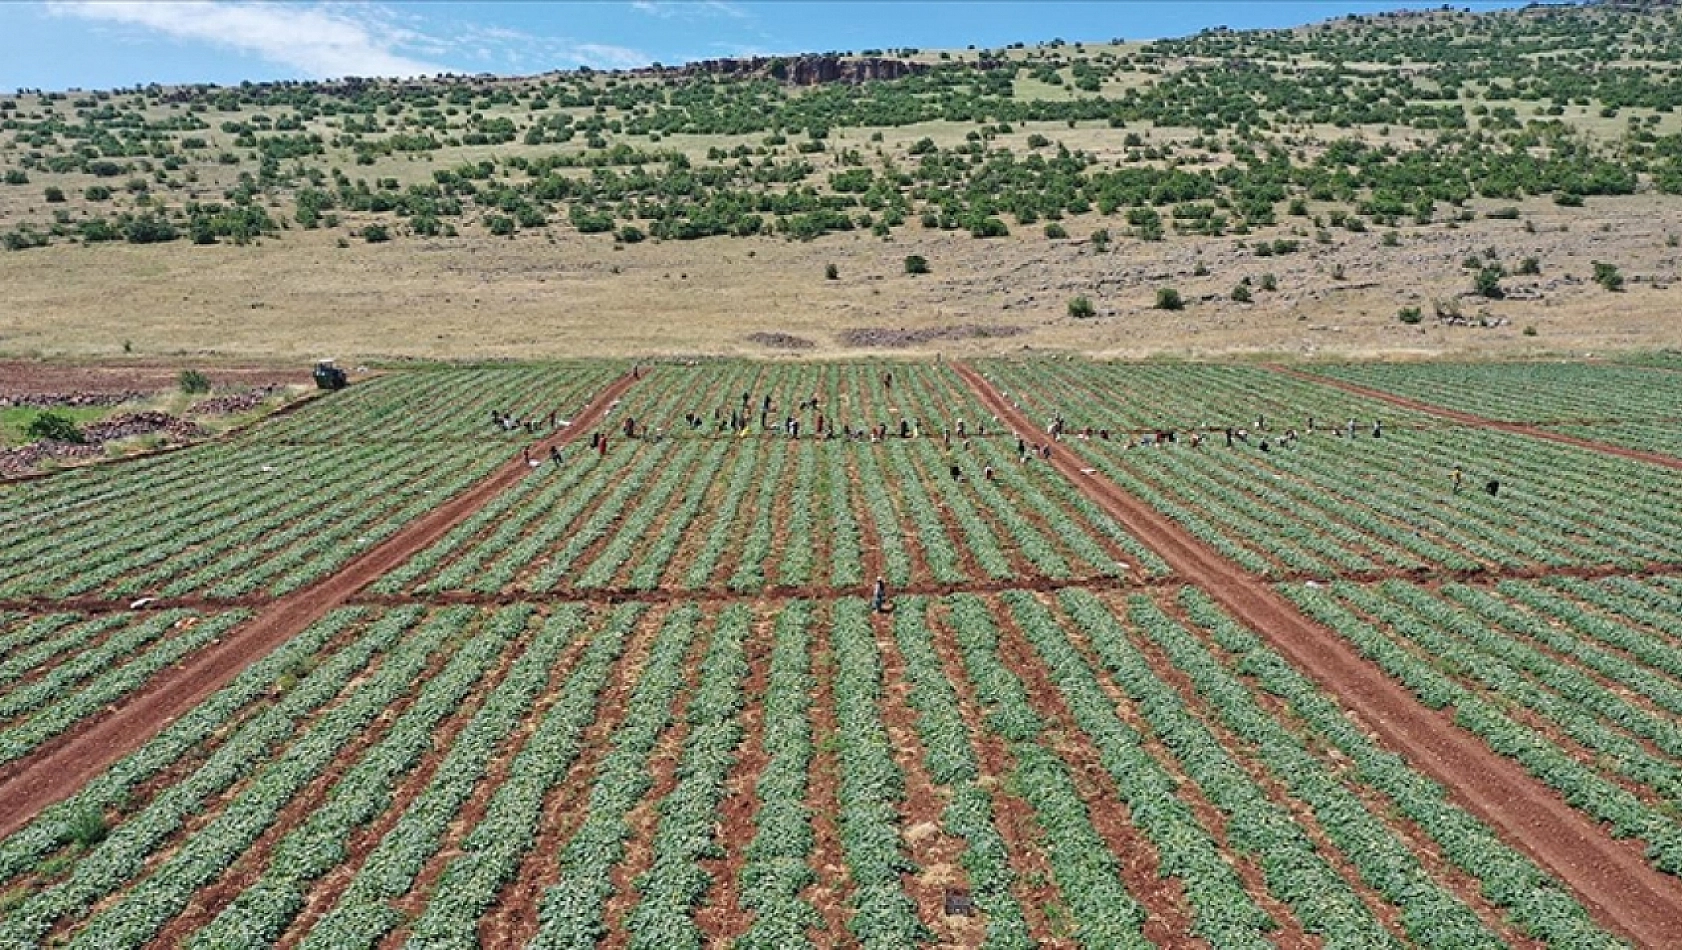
column 1167, row 298
column 1487, row 283
column 916, row 264
column 1081, row 308
column 1606, row 275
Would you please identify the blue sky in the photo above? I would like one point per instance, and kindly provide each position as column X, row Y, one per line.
column 100, row 44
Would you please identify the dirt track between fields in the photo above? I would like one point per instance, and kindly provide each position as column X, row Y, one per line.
column 1532, row 429
column 1610, row 878
column 60, row 767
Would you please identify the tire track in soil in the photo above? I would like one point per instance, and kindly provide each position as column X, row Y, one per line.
column 327, row 891
column 62, row 766
column 252, row 863
column 1034, row 887
column 1290, row 932
column 936, row 852
column 512, row 920
column 1468, row 889
column 1531, row 429
column 1611, row 878
column 720, row 915
column 1167, row 912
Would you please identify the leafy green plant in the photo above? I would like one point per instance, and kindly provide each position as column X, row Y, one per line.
column 916, row 264
column 1081, row 308
column 55, row 426
column 193, row 382
column 1167, row 298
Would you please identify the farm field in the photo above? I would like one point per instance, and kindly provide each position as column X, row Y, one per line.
column 401, row 687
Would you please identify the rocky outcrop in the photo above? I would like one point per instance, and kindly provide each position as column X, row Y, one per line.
column 811, row 70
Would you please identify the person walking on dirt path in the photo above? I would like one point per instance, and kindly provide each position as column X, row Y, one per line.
column 879, row 595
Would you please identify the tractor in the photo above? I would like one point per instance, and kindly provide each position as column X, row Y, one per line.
column 328, row 376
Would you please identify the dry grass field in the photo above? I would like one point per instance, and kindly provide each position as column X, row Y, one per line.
column 566, row 294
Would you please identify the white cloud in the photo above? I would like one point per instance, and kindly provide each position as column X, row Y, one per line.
column 604, row 56
column 320, row 41
column 689, row 9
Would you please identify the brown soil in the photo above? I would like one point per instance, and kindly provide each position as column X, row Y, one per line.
column 1611, row 878
column 936, row 852
column 327, row 892
column 832, row 889
column 1290, row 932
column 512, row 921
column 62, row 766
column 644, row 819
column 1167, row 913
column 721, row 916
column 1463, row 885
column 33, row 377
column 1532, row 429
column 1025, row 843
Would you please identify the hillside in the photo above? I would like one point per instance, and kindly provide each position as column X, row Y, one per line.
column 1509, row 182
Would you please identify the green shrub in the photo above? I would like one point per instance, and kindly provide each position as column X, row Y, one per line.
column 831, row 272
column 55, row 426
column 1241, row 293
column 1409, row 315
column 1081, row 308
column 377, row 233
column 1167, row 298
column 1529, row 267
column 194, row 382
column 1606, row 275
column 1487, row 283
column 1056, row 231
column 916, row 264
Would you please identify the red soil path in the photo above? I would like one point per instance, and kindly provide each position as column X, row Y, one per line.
column 60, row 767
column 1532, row 429
column 1609, row 877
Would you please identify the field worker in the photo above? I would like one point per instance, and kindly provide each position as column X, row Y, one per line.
column 1493, row 486
column 960, row 428
column 1021, row 447
column 1377, row 429
column 525, row 453
column 630, row 427
column 957, row 473
column 1352, row 427
column 1459, row 478
column 905, row 428
column 555, row 455
column 987, row 473
column 602, row 448
column 879, row 595
column 887, row 383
